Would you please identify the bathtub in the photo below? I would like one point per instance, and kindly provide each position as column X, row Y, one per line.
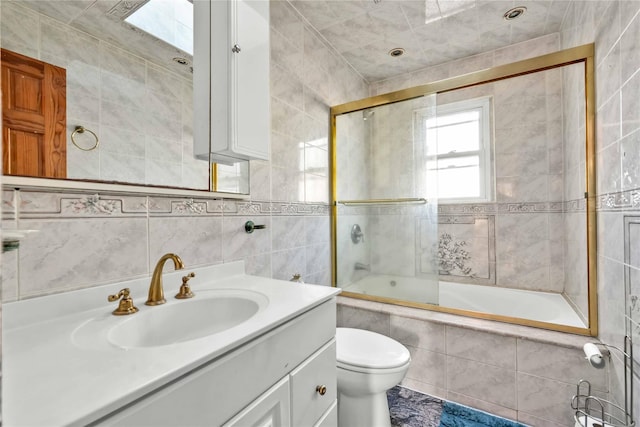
column 538, row 306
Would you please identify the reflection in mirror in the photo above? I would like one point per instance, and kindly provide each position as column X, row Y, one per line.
column 231, row 178
column 132, row 89
column 509, row 162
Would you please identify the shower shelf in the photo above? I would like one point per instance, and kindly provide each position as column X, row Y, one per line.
column 594, row 411
column 370, row 202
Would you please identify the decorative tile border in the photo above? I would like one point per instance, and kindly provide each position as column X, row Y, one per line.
column 281, row 209
column 621, row 201
column 50, row 204
column 578, row 205
column 500, row 208
column 93, row 205
column 36, row 204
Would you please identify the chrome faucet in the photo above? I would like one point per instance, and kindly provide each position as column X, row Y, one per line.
column 156, row 292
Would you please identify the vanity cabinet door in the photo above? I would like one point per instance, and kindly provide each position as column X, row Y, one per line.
column 272, row 409
column 313, row 386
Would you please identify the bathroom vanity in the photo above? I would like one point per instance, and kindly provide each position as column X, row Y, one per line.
column 269, row 361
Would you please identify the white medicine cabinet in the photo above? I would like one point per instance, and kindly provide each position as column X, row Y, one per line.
column 236, row 48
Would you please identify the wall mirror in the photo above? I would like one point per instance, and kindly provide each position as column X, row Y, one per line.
column 126, row 70
column 479, row 194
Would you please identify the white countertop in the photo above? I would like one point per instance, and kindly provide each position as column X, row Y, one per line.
column 50, row 378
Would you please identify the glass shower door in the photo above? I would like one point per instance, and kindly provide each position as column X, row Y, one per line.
column 385, row 214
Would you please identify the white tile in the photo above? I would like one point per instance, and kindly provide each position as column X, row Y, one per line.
column 65, row 261
column 481, row 381
column 350, row 317
column 418, row 333
column 545, row 399
column 482, row 347
column 197, row 240
column 427, row 367
column 558, row 364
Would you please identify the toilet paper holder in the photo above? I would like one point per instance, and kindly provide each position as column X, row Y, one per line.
column 592, row 411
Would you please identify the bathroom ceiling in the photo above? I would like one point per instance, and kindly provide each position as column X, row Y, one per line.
column 362, row 31
column 430, row 31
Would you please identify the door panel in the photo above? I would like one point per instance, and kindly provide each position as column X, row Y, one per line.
column 33, row 117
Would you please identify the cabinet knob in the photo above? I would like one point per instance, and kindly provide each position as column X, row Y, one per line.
column 321, row 390
column 235, row 48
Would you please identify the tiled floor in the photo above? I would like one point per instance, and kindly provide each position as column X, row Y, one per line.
column 410, row 408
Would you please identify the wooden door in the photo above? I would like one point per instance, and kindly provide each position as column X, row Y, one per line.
column 33, row 117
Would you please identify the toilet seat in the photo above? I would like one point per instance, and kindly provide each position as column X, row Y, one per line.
column 369, row 352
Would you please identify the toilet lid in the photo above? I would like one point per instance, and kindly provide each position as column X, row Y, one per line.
column 357, row 347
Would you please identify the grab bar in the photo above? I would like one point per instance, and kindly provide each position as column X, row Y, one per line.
column 408, row 201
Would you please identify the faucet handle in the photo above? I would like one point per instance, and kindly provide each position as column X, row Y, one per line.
column 185, row 289
column 125, row 306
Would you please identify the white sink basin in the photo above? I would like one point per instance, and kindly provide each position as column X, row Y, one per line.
column 209, row 312
column 177, row 321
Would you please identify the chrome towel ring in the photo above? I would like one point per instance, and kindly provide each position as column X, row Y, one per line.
column 82, row 129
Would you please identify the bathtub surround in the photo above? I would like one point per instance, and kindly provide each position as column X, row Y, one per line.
column 516, row 239
column 307, row 77
column 614, row 26
column 517, row 372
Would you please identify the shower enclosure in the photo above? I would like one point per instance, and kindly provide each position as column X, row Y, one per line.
column 473, row 195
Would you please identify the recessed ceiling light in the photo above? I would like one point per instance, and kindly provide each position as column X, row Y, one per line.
column 395, row 52
column 514, row 13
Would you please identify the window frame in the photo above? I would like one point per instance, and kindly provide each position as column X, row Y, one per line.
column 485, row 151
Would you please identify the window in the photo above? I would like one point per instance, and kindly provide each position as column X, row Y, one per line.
column 463, row 155
column 169, row 21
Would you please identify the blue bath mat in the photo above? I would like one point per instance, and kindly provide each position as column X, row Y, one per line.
column 454, row 415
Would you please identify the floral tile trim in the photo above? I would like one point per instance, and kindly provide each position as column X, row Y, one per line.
column 93, row 205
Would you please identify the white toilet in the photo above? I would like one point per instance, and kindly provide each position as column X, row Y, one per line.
column 368, row 365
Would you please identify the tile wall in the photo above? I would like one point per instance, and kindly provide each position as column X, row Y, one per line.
column 289, row 194
column 615, row 28
column 86, row 239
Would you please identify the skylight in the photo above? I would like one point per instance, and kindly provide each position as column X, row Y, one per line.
column 167, row 20
column 439, row 9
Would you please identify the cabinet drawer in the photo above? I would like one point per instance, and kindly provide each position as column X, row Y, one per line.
column 307, row 404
